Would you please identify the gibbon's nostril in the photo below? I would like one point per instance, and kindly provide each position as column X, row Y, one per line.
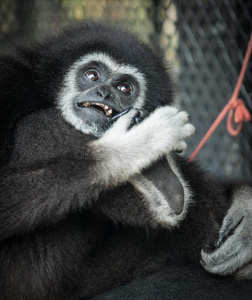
column 99, row 93
column 105, row 93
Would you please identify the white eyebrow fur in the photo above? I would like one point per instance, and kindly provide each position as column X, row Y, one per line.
column 115, row 68
column 69, row 89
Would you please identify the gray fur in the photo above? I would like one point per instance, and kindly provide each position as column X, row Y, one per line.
column 236, row 251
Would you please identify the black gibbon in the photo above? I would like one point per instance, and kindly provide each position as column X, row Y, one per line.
column 92, row 191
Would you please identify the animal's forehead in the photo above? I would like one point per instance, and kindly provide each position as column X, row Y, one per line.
column 110, row 63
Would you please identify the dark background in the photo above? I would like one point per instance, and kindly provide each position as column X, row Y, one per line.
column 205, row 41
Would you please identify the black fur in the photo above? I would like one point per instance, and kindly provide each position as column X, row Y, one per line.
column 62, row 236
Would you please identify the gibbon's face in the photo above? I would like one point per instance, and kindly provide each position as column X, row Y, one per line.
column 96, row 88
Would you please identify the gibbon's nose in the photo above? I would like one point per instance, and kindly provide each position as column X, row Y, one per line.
column 105, row 92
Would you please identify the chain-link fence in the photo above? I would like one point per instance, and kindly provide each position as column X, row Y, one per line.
column 213, row 36
column 205, row 40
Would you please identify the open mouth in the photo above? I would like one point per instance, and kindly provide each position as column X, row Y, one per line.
column 101, row 108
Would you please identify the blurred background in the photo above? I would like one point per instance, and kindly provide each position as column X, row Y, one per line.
column 205, row 41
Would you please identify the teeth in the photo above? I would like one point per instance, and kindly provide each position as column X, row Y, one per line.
column 109, row 112
column 107, row 109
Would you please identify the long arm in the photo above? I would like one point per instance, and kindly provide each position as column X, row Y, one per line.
column 35, row 193
column 41, row 194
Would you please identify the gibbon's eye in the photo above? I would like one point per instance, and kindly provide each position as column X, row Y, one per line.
column 124, row 88
column 92, row 75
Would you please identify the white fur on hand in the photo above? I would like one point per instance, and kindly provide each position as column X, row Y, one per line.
column 235, row 254
column 131, row 150
column 162, row 132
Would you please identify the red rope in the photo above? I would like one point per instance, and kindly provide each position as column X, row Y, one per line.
column 235, row 106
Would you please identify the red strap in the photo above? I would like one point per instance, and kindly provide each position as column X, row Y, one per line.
column 238, row 111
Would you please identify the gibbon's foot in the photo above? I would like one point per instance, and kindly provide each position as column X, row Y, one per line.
column 232, row 254
column 166, row 194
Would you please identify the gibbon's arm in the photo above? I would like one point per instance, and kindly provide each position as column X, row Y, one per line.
column 45, row 192
column 37, row 194
column 20, row 94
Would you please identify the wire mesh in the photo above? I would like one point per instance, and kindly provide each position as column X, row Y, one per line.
column 205, row 40
column 213, row 37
